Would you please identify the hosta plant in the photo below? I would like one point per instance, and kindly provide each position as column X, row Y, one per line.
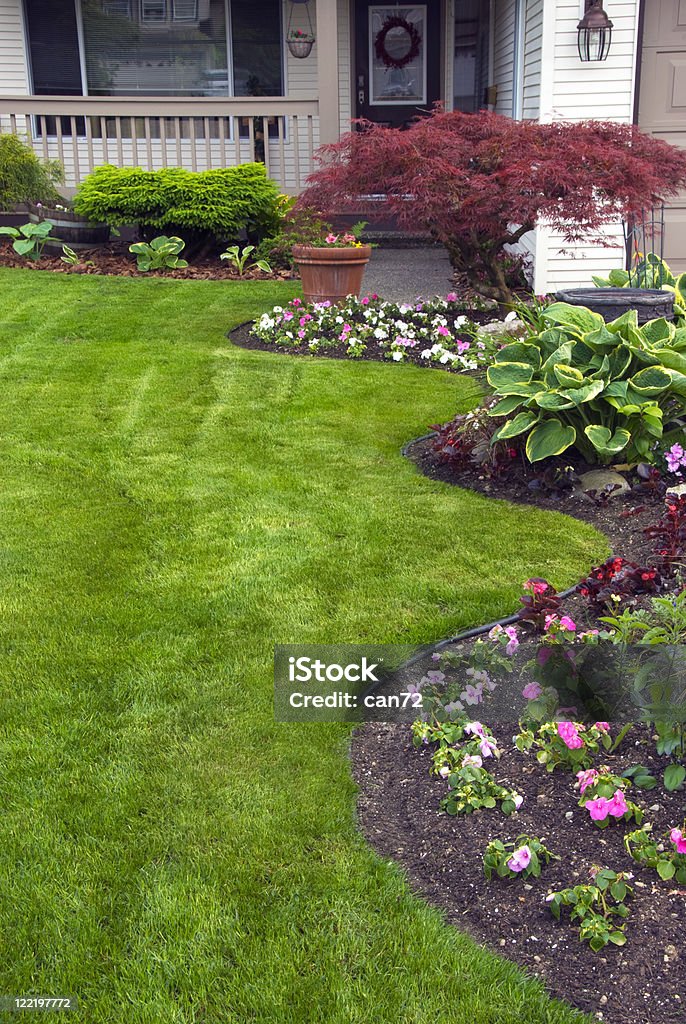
column 666, row 854
column 521, row 859
column 596, row 907
column 29, row 239
column 608, row 390
column 162, row 253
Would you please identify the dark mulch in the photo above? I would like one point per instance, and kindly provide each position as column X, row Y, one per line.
column 243, row 337
column 642, row 983
column 115, row 260
column 398, row 808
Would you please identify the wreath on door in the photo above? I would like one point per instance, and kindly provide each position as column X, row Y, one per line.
column 380, row 42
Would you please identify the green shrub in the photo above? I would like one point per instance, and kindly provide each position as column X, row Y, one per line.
column 23, row 177
column 603, row 388
column 202, row 206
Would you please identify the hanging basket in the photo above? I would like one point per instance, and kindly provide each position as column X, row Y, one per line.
column 300, row 47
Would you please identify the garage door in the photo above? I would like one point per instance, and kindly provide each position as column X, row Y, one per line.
column 662, row 101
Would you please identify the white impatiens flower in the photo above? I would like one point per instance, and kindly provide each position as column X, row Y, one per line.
column 462, row 320
column 426, row 353
column 397, row 356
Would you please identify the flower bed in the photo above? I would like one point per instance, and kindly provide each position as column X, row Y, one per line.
column 434, row 331
column 563, row 841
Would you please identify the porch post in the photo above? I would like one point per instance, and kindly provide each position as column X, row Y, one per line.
column 327, row 70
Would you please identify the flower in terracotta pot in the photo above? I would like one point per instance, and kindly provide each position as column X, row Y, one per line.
column 332, row 267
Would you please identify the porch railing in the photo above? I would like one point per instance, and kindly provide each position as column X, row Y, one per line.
column 195, row 133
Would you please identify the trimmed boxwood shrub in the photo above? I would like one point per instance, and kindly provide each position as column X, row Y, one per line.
column 23, row 177
column 203, row 207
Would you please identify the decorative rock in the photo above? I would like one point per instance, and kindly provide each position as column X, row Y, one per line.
column 510, row 328
column 599, row 480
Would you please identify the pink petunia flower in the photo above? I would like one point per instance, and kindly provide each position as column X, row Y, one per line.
column 532, row 691
column 520, row 859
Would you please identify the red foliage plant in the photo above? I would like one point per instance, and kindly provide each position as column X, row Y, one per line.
column 479, row 182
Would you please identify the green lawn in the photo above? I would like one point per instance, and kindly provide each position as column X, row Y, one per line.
column 170, row 507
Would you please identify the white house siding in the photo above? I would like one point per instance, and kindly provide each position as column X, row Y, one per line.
column 345, row 47
column 572, row 91
column 504, row 55
column 14, row 78
column 533, row 42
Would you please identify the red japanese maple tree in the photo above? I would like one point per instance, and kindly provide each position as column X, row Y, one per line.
column 479, row 182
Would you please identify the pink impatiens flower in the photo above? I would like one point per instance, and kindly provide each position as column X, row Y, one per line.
column 587, row 778
column 472, row 759
column 531, row 691
column 487, row 746
column 598, row 809
column 513, row 644
column 602, row 726
column 568, row 624
column 617, row 805
column 520, row 859
column 569, row 735
column 679, row 840
column 474, row 729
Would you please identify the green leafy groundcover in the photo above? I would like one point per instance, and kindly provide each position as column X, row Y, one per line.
column 171, row 506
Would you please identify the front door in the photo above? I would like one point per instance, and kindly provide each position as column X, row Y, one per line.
column 662, row 103
column 397, row 60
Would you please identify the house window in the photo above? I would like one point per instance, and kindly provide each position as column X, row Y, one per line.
column 470, row 68
column 257, row 48
column 153, row 10
column 185, row 10
column 155, row 47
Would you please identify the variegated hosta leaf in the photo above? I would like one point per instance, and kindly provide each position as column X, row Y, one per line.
column 549, row 438
column 519, row 425
column 606, row 443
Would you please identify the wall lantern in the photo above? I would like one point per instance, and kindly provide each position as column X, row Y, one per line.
column 300, row 41
column 594, row 33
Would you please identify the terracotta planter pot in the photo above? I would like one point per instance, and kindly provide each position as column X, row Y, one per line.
column 331, row 273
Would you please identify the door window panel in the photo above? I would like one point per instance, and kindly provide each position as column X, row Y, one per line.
column 397, row 55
